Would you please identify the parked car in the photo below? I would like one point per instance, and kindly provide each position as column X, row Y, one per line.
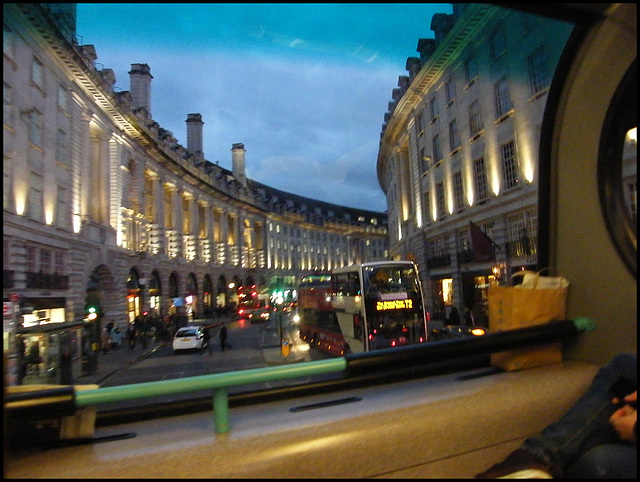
column 188, row 338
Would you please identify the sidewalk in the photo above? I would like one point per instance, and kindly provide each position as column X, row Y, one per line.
column 117, row 360
column 120, row 359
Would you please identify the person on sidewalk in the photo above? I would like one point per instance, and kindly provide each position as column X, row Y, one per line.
column 596, row 438
column 131, row 336
column 116, row 338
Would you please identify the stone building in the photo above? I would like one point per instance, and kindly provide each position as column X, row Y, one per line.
column 458, row 151
column 103, row 207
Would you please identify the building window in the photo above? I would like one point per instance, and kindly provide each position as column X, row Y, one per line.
column 148, row 199
column 509, row 165
column 168, row 207
column 497, row 43
column 538, row 73
column 424, row 160
column 45, row 261
column 202, row 221
column 440, row 200
column 427, row 203
column 437, row 152
column 63, row 95
column 186, row 215
column 63, row 216
column 475, row 119
column 32, row 262
column 433, row 107
column 450, row 90
column 458, row 190
column 37, row 73
column 454, row 136
column 470, row 69
column 35, row 128
column 502, row 97
column 62, row 150
column 480, row 172
column 59, row 262
column 35, row 197
column 463, row 240
column 419, row 124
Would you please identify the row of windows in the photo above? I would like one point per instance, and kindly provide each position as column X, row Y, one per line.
column 519, row 226
column 538, row 79
column 481, row 193
column 40, row 259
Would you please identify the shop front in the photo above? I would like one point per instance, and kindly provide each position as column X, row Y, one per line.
column 50, row 353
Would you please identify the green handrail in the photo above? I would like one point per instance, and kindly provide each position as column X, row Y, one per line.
column 219, row 382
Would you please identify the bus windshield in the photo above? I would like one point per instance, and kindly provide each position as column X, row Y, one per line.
column 393, row 307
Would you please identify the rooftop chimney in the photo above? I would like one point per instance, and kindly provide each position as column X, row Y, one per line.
column 237, row 157
column 140, row 78
column 194, row 134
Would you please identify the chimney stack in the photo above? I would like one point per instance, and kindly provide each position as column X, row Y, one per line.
column 194, row 134
column 140, row 79
column 237, row 157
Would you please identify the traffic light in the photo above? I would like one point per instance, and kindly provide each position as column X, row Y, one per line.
column 92, row 313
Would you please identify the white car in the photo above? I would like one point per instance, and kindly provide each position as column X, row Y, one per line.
column 189, row 338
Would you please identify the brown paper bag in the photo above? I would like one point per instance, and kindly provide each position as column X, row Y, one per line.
column 538, row 300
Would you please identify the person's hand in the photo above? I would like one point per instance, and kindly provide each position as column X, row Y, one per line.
column 624, row 419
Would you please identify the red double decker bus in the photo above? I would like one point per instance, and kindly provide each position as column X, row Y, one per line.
column 363, row 307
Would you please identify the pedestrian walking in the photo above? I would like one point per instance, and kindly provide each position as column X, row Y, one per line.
column 223, row 338
column 131, row 335
column 116, row 338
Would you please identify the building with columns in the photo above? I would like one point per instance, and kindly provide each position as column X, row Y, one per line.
column 103, row 207
column 458, row 151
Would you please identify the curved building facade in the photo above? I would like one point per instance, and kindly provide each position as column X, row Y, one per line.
column 104, row 208
column 458, row 152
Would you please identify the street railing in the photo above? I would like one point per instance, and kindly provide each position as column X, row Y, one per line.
column 352, row 365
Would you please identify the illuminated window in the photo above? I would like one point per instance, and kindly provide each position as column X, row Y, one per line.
column 34, row 206
column 509, row 165
column 480, row 171
column 458, row 190
column 475, row 120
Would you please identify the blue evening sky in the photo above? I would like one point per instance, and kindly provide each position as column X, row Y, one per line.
column 303, row 86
